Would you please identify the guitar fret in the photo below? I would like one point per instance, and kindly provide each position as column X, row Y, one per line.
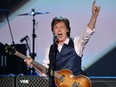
column 20, row 55
column 38, row 65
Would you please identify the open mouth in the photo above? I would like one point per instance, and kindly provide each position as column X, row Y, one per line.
column 59, row 35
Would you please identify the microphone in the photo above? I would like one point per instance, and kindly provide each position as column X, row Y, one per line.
column 55, row 39
column 24, row 38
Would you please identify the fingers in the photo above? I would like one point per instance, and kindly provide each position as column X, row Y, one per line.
column 97, row 9
column 93, row 3
column 28, row 61
column 94, row 7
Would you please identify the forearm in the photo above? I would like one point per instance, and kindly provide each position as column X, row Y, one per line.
column 92, row 22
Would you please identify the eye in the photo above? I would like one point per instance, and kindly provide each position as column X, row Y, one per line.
column 56, row 27
column 63, row 27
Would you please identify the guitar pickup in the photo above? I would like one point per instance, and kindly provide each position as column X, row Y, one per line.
column 62, row 78
column 76, row 84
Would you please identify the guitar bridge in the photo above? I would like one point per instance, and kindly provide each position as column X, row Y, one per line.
column 75, row 84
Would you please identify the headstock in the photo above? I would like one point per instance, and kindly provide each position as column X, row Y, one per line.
column 10, row 49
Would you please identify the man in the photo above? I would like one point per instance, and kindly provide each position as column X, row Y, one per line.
column 66, row 53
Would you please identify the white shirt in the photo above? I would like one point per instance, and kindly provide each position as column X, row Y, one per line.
column 79, row 45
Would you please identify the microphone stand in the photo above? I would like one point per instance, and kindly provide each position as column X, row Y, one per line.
column 7, row 13
column 33, row 54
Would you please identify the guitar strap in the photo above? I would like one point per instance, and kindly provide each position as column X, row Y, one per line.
column 52, row 58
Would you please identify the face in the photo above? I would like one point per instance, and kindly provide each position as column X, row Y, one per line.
column 60, row 30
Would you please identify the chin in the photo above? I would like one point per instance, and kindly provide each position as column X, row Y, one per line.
column 60, row 40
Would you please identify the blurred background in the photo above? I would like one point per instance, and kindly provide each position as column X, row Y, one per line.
column 17, row 24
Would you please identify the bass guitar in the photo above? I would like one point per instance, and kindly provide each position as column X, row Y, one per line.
column 63, row 78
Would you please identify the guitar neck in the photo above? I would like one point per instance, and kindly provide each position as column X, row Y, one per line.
column 34, row 63
column 20, row 55
column 38, row 65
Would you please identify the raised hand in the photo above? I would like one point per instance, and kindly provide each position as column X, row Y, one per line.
column 95, row 9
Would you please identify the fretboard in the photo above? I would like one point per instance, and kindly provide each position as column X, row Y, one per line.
column 34, row 63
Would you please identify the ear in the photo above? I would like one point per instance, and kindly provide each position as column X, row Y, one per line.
column 67, row 30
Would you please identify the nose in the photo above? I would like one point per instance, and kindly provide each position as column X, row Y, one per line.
column 59, row 29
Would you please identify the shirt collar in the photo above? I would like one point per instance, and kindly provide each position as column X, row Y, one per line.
column 66, row 41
